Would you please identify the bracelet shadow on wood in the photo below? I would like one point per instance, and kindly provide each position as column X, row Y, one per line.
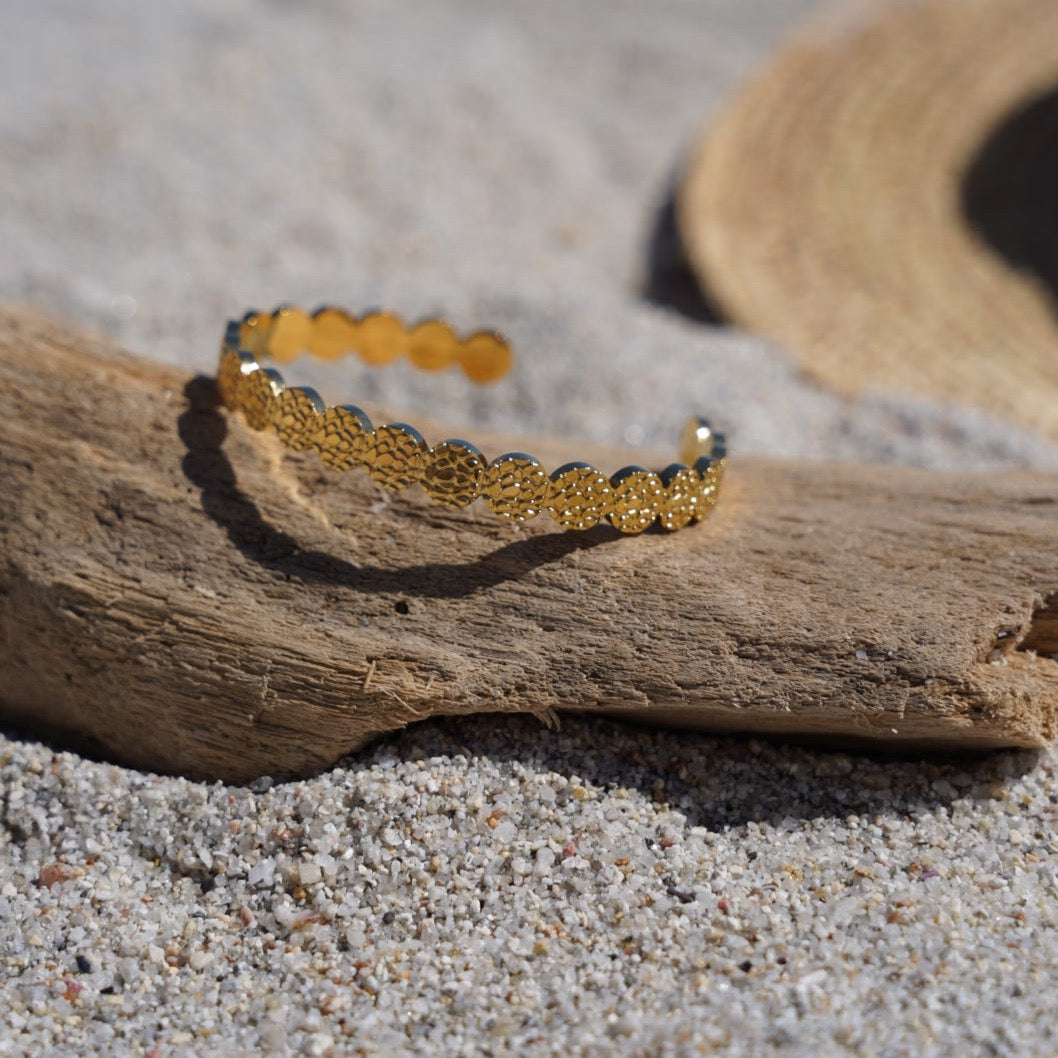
column 203, row 428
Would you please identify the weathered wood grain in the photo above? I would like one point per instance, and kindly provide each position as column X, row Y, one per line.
column 195, row 599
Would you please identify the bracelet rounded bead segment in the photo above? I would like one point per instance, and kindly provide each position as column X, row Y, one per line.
column 453, row 473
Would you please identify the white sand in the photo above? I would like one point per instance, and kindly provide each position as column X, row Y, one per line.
column 487, row 886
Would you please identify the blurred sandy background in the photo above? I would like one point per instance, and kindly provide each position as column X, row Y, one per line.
column 167, row 166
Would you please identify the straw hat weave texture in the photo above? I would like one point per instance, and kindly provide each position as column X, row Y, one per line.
column 883, row 201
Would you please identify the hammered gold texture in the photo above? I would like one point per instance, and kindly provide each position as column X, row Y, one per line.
column 485, row 357
column 580, row 496
column 697, row 439
column 516, row 486
column 229, row 376
column 257, row 397
column 709, row 492
column 432, row 346
column 395, row 456
column 380, row 338
column 334, row 334
column 297, row 416
column 289, row 334
column 679, row 506
column 453, row 473
column 637, row 499
column 453, row 470
column 342, row 436
column 253, row 333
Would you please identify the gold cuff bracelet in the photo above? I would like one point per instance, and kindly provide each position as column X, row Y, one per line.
column 453, row 473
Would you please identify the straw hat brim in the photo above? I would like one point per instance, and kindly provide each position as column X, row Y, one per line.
column 883, row 201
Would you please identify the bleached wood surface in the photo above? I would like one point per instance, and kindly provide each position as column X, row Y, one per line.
column 195, row 599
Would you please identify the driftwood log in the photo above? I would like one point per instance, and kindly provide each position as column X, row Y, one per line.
column 194, row 599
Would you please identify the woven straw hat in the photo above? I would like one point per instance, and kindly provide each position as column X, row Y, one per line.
column 883, row 201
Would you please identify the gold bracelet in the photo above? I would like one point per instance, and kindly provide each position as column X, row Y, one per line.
column 453, row 473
